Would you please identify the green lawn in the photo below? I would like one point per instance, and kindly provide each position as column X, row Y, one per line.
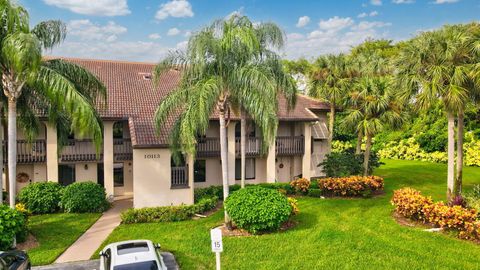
column 332, row 233
column 55, row 233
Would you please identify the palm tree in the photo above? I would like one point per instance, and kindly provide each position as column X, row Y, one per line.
column 228, row 66
column 442, row 67
column 61, row 89
column 375, row 108
column 329, row 80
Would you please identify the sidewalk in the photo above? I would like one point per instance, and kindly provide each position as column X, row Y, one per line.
column 91, row 240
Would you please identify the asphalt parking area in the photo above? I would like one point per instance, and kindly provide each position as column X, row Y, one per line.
column 168, row 258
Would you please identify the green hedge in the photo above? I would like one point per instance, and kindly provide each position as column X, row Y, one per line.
column 217, row 191
column 41, row 198
column 84, row 197
column 13, row 223
column 168, row 213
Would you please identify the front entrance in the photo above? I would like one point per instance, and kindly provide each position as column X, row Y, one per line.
column 66, row 174
column 100, row 175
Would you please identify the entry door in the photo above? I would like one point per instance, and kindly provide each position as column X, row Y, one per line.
column 66, row 174
column 100, row 174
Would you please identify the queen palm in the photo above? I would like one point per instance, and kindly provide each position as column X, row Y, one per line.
column 375, row 107
column 63, row 91
column 442, row 67
column 228, row 66
column 329, row 79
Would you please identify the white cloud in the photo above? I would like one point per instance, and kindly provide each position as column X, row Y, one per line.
column 187, row 34
column 303, row 21
column 335, row 23
column 445, row 1
column 173, row 31
column 376, row 2
column 403, row 1
column 97, row 7
column 371, row 14
column 154, row 36
column 294, row 36
column 362, row 15
column 86, row 30
column 175, row 8
column 364, row 25
column 181, row 45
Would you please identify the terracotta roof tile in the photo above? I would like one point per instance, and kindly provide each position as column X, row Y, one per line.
column 135, row 98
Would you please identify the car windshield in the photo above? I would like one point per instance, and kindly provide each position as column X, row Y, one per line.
column 149, row 265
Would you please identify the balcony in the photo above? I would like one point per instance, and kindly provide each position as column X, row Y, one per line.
column 253, row 146
column 179, row 177
column 208, row 147
column 84, row 150
column 27, row 152
column 289, row 145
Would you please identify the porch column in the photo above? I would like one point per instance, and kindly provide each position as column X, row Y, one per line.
column 108, row 159
column 191, row 175
column 52, row 153
column 271, row 164
column 231, row 152
column 307, row 155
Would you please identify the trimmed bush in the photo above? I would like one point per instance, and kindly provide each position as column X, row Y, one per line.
column 410, row 203
column 285, row 188
column 168, row 213
column 84, row 197
column 12, row 224
column 212, row 191
column 315, row 192
column 294, row 204
column 258, row 209
column 41, row 198
column 300, row 185
column 351, row 186
column 342, row 164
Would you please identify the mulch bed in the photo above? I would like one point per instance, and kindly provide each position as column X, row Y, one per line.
column 30, row 243
column 289, row 224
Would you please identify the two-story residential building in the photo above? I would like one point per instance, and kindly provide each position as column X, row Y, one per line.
column 137, row 162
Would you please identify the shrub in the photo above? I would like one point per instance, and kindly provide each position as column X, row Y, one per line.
column 340, row 147
column 12, row 224
column 473, row 198
column 300, row 185
column 212, row 191
column 84, row 197
column 410, row 203
column 351, row 186
column 294, row 204
column 458, row 200
column 282, row 187
column 315, row 192
column 347, row 163
column 258, row 209
column 168, row 213
column 41, row 198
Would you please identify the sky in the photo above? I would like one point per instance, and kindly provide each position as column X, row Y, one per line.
column 146, row 30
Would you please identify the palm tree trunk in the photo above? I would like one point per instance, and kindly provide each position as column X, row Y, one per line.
column 451, row 155
column 223, row 157
column 242, row 147
column 458, row 181
column 12, row 149
column 358, row 149
column 1, row 157
column 366, row 157
column 331, row 122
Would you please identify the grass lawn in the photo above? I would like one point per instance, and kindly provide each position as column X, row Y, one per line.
column 332, row 233
column 55, row 233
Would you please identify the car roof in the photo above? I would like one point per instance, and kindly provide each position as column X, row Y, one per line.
column 127, row 252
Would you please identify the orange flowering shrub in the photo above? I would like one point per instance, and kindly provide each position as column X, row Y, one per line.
column 410, row 203
column 300, row 185
column 351, row 185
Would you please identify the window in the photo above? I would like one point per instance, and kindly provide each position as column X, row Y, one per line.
column 118, row 130
column 118, row 174
column 199, row 171
column 66, row 174
column 249, row 168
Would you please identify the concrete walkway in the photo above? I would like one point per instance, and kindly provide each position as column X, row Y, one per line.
column 91, row 240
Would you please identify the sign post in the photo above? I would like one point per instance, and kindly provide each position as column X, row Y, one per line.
column 217, row 244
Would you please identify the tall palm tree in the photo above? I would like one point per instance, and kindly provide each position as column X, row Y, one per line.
column 329, row 79
column 375, row 108
column 442, row 67
column 228, row 66
column 60, row 89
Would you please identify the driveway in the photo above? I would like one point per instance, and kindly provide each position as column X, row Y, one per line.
column 168, row 258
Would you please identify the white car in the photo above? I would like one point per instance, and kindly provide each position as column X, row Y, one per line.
column 129, row 255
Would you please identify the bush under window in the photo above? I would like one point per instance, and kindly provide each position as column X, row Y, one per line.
column 84, row 197
column 41, row 198
column 258, row 209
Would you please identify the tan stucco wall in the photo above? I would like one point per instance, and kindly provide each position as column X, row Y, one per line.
column 86, row 175
column 40, row 172
column 151, row 185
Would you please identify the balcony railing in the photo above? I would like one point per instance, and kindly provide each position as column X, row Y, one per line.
column 179, row 177
column 79, row 150
column 27, row 152
column 289, row 145
column 208, row 147
column 253, row 146
column 122, row 149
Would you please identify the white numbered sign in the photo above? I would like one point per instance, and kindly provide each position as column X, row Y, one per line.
column 217, row 244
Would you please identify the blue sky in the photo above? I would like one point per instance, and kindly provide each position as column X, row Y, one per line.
column 145, row 30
